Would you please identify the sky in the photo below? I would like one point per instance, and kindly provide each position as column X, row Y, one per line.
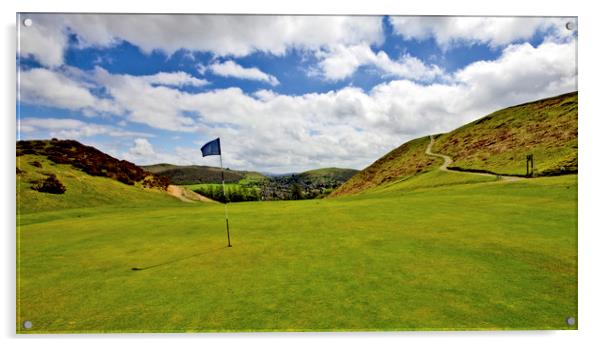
column 283, row 93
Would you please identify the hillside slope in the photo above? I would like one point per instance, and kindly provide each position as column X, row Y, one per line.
column 91, row 161
column 497, row 143
column 401, row 163
column 82, row 189
column 500, row 142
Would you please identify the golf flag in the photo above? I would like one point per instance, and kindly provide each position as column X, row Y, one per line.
column 211, row 148
column 214, row 148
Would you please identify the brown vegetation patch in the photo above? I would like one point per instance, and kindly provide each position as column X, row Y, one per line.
column 50, row 185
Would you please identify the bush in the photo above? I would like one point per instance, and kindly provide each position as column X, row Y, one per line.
column 50, row 185
column 155, row 181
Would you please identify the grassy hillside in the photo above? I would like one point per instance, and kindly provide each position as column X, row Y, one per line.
column 501, row 141
column 497, row 143
column 328, row 174
column 91, row 161
column 82, row 189
column 193, row 174
column 500, row 255
column 401, row 163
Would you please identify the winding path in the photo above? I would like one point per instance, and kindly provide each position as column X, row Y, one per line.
column 447, row 160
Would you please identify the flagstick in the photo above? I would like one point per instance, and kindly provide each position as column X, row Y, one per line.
column 225, row 200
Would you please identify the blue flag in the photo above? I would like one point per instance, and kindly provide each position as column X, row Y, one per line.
column 211, row 148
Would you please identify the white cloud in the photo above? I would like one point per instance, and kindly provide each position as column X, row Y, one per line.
column 493, row 31
column 231, row 69
column 141, row 99
column 46, row 87
column 342, row 61
column 523, row 72
column 141, row 149
column 156, row 106
column 348, row 127
column 223, row 35
column 142, row 152
column 44, row 40
column 55, row 88
column 176, row 79
column 68, row 128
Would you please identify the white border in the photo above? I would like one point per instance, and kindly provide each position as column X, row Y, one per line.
column 590, row 228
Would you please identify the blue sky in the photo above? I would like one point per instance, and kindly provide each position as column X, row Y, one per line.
column 284, row 93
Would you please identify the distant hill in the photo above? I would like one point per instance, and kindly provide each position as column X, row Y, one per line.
column 497, row 143
column 327, row 174
column 194, row 174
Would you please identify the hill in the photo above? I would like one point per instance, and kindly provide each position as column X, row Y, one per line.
column 500, row 142
column 328, row 174
column 401, row 163
column 497, row 143
column 81, row 189
column 55, row 175
column 194, row 174
column 91, row 161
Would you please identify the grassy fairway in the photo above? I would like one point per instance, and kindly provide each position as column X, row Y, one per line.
column 492, row 255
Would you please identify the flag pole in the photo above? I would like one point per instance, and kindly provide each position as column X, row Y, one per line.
column 225, row 199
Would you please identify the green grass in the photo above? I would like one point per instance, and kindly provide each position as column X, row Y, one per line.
column 501, row 141
column 492, row 255
column 431, row 179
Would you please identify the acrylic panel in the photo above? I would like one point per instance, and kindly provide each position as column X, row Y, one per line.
column 228, row 173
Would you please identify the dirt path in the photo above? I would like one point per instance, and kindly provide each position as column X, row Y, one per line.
column 447, row 160
column 186, row 195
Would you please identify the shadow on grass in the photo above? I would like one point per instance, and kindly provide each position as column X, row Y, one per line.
column 177, row 259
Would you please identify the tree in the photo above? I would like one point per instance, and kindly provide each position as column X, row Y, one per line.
column 296, row 192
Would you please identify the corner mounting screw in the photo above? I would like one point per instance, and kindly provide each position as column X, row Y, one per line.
column 570, row 26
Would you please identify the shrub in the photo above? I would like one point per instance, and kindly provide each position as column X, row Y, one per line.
column 50, row 185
